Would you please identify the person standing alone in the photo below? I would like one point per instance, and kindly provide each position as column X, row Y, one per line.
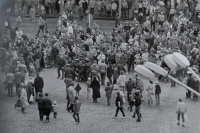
column 157, row 93
column 181, row 110
column 39, row 84
column 77, row 106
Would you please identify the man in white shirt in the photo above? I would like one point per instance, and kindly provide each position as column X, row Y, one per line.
column 181, row 110
column 114, row 9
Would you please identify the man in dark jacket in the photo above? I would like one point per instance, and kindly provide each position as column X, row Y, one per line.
column 39, row 84
column 55, row 53
column 129, row 87
column 61, row 64
column 190, row 83
column 87, row 68
column 119, row 104
column 47, row 106
column 110, row 72
column 40, row 105
column 138, row 102
column 157, row 93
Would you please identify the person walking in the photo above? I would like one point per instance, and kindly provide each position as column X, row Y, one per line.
column 40, row 105
column 108, row 90
column 119, row 105
column 9, row 81
column 23, row 70
column 77, row 105
column 41, row 24
column 95, row 85
column 23, row 99
column 138, row 102
column 77, row 88
column 102, row 69
column 71, row 97
column 47, row 106
column 68, row 81
column 157, row 93
column 39, row 84
column 181, row 110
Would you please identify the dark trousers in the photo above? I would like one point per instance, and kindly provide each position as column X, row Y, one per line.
column 110, row 79
column 124, row 12
column 188, row 94
column 41, row 114
column 71, row 107
column 137, row 111
column 58, row 71
column 55, row 60
column 103, row 76
column 161, row 23
column 76, row 117
column 10, row 88
column 117, row 110
column 47, row 9
column 128, row 97
column 51, row 8
column 41, row 27
column 153, row 26
column 182, row 115
column 17, row 88
column 114, row 13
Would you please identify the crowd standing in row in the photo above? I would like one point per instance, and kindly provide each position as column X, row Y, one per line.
column 92, row 55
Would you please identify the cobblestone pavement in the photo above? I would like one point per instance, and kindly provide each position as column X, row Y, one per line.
column 97, row 118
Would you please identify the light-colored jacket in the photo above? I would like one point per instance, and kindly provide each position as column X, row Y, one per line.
column 181, row 107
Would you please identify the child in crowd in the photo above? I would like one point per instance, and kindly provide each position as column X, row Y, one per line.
column 55, row 109
column 77, row 88
column 88, row 83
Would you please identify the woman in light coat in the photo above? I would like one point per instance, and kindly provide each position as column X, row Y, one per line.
column 151, row 92
column 121, row 81
column 23, row 99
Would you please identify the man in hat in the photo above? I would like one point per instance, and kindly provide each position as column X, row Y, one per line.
column 39, row 84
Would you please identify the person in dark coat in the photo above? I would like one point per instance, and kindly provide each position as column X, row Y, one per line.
column 129, row 87
column 196, row 88
column 190, row 83
column 40, row 105
column 39, row 84
column 42, row 64
column 47, row 106
column 95, row 85
column 119, row 103
column 110, row 72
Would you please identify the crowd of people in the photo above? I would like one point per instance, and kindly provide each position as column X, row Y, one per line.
column 92, row 55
